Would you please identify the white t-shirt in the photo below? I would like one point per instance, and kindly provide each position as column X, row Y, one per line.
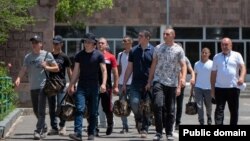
column 124, row 63
column 227, row 67
column 203, row 73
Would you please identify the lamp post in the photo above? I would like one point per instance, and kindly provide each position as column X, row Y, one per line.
column 167, row 12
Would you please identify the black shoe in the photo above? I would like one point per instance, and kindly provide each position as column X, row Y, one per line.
column 97, row 132
column 177, row 127
column 138, row 126
column 109, row 130
column 75, row 136
column 124, row 130
column 209, row 121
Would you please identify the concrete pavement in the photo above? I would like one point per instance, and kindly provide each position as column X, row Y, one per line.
column 23, row 128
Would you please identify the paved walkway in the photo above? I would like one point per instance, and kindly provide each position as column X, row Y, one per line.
column 24, row 127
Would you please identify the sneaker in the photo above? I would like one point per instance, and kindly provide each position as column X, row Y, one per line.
column 75, row 136
column 36, row 136
column 143, row 134
column 43, row 135
column 109, row 130
column 163, row 131
column 157, row 137
column 62, row 131
column 170, row 138
column 124, row 130
column 53, row 132
column 91, row 137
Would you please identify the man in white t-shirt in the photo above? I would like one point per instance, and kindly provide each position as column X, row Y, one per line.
column 228, row 74
column 122, row 60
column 202, row 88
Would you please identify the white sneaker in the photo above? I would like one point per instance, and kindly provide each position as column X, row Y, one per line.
column 62, row 131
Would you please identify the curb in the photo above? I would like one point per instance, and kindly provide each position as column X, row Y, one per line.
column 8, row 121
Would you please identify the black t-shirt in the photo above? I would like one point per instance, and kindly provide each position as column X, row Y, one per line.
column 63, row 62
column 89, row 67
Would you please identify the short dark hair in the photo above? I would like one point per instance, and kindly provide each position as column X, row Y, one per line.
column 146, row 33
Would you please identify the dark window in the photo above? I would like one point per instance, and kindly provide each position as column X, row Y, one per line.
column 192, row 52
column 188, row 33
column 107, row 31
column 245, row 33
column 73, row 48
column 133, row 31
column 218, row 33
column 69, row 31
column 247, row 61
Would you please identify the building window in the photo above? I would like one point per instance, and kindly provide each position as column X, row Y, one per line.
column 107, row 31
column 192, row 52
column 247, row 61
column 218, row 33
column 188, row 33
column 133, row 31
column 69, row 31
column 246, row 33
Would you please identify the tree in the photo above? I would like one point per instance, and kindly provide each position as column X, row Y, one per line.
column 13, row 16
column 69, row 10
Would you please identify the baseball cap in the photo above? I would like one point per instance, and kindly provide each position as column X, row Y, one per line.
column 57, row 39
column 90, row 37
column 36, row 38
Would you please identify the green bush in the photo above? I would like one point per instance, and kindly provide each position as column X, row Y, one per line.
column 8, row 96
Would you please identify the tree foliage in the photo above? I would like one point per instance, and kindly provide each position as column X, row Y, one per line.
column 69, row 10
column 14, row 15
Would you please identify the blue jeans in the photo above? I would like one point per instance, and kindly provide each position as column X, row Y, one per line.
column 54, row 103
column 135, row 95
column 86, row 96
column 124, row 119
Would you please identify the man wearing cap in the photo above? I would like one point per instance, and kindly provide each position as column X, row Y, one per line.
column 36, row 63
column 87, row 64
column 64, row 64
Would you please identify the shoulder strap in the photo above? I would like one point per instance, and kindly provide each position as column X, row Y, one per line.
column 44, row 60
column 120, row 64
column 120, row 58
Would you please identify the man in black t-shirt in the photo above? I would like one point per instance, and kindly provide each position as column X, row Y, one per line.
column 64, row 65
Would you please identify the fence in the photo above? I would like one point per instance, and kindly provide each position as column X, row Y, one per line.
column 7, row 96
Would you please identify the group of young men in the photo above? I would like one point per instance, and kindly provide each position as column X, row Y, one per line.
column 144, row 68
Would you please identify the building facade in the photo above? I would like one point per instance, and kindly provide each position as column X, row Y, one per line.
column 198, row 24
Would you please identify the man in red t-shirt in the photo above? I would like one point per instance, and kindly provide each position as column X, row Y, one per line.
column 106, row 97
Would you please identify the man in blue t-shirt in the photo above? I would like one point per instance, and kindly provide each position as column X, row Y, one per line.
column 87, row 64
column 140, row 59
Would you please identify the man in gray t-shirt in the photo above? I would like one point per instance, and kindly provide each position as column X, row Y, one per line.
column 36, row 63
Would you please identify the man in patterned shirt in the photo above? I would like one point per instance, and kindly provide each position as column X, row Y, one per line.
column 167, row 60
